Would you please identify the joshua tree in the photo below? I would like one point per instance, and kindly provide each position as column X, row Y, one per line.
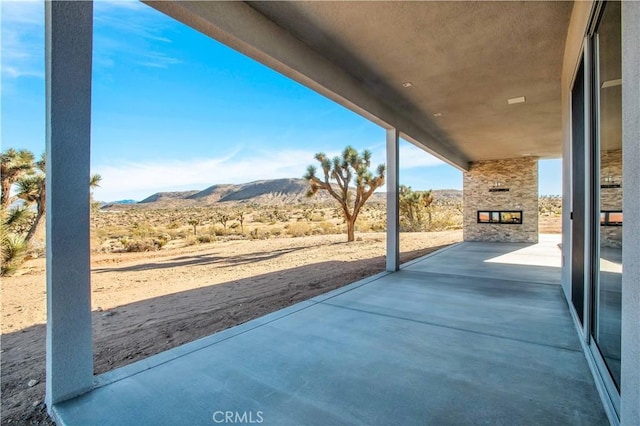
column 14, row 165
column 412, row 205
column 240, row 216
column 13, row 246
column 349, row 168
column 31, row 189
column 194, row 222
column 223, row 218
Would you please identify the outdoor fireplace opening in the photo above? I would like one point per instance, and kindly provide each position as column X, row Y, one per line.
column 500, row 217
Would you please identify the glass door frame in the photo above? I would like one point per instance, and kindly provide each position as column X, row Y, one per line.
column 591, row 178
column 586, row 178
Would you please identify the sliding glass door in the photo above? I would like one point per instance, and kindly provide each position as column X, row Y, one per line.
column 597, row 215
column 607, row 265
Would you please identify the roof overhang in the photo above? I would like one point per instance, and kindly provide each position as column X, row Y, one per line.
column 464, row 61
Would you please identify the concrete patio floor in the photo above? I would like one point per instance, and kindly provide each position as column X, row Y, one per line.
column 478, row 333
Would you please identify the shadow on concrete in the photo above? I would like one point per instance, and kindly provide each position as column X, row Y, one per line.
column 138, row 330
column 404, row 348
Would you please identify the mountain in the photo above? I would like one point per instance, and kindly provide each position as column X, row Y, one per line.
column 161, row 196
column 266, row 192
column 263, row 192
column 123, row 202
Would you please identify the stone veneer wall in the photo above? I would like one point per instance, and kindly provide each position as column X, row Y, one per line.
column 611, row 198
column 520, row 175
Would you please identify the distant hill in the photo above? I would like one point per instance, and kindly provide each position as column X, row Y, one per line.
column 261, row 191
column 264, row 192
column 122, row 202
column 160, row 196
column 447, row 196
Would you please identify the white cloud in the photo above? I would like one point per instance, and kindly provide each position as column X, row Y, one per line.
column 157, row 60
column 25, row 12
column 134, row 23
column 137, row 180
column 131, row 29
column 411, row 157
column 22, row 24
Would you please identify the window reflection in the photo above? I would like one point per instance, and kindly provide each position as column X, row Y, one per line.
column 608, row 282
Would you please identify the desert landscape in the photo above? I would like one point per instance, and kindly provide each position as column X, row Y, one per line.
column 182, row 265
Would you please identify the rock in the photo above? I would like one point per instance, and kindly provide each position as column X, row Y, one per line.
column 98, row 309
column 32, row 383
column 35, row 404
column 107, row 314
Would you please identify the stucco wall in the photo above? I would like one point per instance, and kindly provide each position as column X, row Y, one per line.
column 630, row 404
column 520, row 176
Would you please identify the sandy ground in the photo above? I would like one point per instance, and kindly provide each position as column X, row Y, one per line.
column 145, row 303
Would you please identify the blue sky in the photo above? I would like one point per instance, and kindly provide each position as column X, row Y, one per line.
column 174, row 109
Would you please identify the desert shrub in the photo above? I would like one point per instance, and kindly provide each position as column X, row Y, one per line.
column 379, row 226
column 235, row 237
column 443, row 220
column 259, row 234
column 190, row 240
column 13, row 249
column 142, row 230
column 412, row 226
column 206, row 238
column 178, row 234
column 218, row 231
column 328, row 228
column 261, row 218
column 298, row 229
column 111, row 246
column 143, row 245
column 363, row 225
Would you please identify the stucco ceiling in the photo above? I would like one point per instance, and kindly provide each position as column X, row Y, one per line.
column 464, row 61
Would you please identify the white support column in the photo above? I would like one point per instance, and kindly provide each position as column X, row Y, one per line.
column 393, row 211
column 630, row 387
column 68, row 48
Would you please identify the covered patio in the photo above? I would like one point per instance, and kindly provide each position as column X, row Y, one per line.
column 489, row 340
column 498, row 333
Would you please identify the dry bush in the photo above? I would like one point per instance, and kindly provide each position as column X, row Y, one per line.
column 206, row 238
column 143, row 245
column 298, row 229
column 218, row 231
column 550, row 205
column 363, row 225
column 379, row 225
column 176, row 234
column 445, row 219
column 328, row 228
column 259, row 234
column 277, row 231
column 190, row 241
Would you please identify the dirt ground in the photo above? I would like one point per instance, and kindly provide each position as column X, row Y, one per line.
column 145, row 303
column 550, row 225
